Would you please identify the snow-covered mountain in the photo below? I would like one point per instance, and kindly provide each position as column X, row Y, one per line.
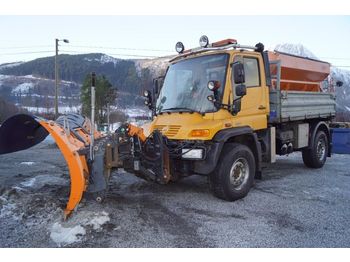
column 37, row 93
column 295, row 49
column 157, row 66
column 103, row 59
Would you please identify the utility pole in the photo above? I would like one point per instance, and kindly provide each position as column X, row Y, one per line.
column 56, row 79
column 92, row 129
column 108, row 121
column 56, row 74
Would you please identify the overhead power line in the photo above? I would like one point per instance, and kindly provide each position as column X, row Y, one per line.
column 119, row 54
column 24, row 53
column 122, row 48
column 25, row 47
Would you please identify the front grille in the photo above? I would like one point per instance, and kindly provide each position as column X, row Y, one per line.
column 169, row 131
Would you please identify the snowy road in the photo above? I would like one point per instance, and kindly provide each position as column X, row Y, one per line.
column 291, row 207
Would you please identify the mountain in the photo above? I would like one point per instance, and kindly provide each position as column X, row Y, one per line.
column 342, row 92
column 37, row 93
column 31, row 84
column 295, row 49
column 121, row 73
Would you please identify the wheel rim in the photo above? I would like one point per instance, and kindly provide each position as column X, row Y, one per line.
column 321, row 149
column 239, row 173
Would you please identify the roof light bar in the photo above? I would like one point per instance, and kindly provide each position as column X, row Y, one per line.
column 219, row 45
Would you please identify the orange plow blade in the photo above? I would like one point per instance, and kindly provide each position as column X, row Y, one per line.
column 71, row 134
column 78, row 169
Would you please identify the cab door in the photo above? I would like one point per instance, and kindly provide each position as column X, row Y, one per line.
column 253, row 107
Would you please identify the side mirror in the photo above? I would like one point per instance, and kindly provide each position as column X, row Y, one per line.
column 241, row 90
column 156, row 86
column 238, row 73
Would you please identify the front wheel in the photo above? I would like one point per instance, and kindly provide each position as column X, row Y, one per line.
column 316, row 156
column 234, row 174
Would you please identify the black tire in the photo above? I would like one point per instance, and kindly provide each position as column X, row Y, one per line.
column 221, row 181
column 316, row 156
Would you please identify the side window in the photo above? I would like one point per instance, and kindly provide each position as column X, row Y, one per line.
column 251, row 69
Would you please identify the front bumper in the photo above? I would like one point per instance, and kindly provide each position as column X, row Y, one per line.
column 195, row 165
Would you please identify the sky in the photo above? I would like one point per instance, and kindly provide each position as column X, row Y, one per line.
column 24, row 38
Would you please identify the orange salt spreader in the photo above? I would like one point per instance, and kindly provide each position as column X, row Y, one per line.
column 299, row 73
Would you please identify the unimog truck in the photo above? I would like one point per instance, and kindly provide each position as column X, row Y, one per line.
column 222, row 110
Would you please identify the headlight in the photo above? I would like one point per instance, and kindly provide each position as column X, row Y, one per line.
column 203, row 41
column 179, row 47
column 146, row 93
column 188, row 153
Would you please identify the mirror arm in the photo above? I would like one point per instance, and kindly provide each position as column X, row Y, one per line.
column 219, row 105
column 239, row 98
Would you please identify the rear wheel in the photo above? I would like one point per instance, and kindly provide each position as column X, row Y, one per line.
column 234, row 174
column 316, row 156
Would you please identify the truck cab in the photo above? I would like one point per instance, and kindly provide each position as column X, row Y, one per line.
column 185, row 97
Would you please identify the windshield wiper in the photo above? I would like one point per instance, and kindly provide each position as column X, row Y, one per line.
column 179, row 109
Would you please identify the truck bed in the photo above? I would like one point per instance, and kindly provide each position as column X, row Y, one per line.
column 297, row 105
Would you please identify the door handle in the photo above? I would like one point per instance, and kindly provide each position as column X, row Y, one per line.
column 261, row 107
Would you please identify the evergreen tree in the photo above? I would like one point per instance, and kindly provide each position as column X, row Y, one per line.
column 105, row 94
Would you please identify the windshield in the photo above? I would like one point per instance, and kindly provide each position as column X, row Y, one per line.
column 185, row 84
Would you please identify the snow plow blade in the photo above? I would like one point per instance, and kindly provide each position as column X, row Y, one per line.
column 90, row 164
column 21, row 132
column 71, row 134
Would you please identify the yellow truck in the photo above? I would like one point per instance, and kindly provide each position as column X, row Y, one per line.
column 222, row 110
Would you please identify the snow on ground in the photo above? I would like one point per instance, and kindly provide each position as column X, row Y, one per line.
column 27, row 163
column 75, row 228
column 137, row 111
column 98, row 220
column 22, row 88
column 3, row 77
column 66, row 235
column 40, row 181
column 61, row 109
column 7, row 210
column 292, row 206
